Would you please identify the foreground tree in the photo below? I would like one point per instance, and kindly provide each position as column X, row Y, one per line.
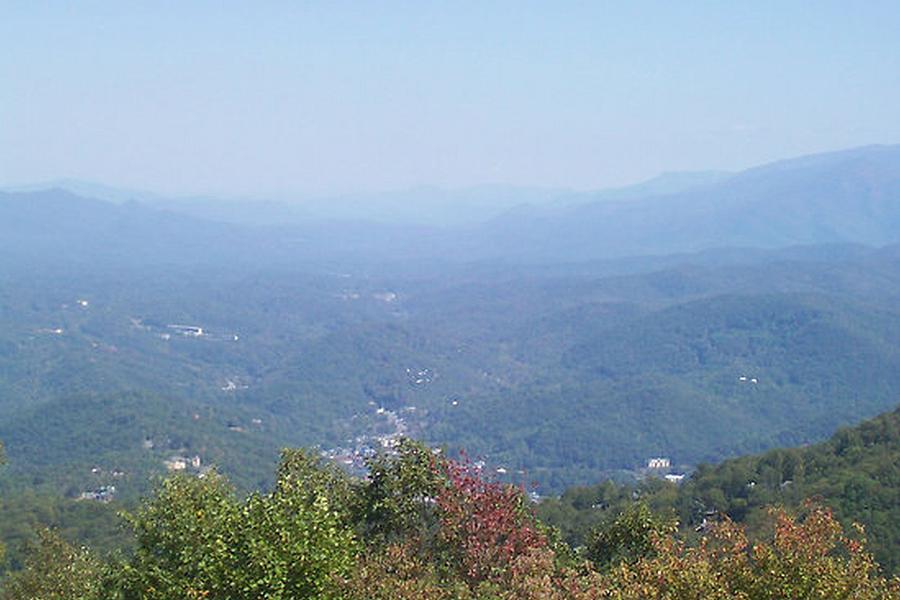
column 485, row 526
column 56, row 570
column 195, row 540
column 398, row 502
column 806, row 558
column 628, row 538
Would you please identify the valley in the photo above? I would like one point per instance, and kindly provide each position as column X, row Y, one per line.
column 557, row 379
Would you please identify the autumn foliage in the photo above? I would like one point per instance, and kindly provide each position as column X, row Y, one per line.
column 423, row 527
column 489, row 546
column 487, row 525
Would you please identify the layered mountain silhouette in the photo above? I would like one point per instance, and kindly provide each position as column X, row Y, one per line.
column 851, row 196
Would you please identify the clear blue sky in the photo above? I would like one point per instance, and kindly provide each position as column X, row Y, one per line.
column 259, row 98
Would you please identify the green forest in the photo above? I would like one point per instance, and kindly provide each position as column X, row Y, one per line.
column 856, row 473
column 559, row 377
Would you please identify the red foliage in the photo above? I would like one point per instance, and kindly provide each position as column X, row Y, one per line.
column 486, row 525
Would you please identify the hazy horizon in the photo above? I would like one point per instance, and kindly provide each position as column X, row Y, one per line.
column 74, row 184
column 322, row 100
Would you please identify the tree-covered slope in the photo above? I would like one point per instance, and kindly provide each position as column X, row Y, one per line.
column 856, row 472
column 570, row 374
column 693, row 381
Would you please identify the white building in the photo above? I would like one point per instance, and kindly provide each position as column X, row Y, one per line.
column 659, row 463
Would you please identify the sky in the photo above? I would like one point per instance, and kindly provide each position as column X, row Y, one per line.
column 305, row 98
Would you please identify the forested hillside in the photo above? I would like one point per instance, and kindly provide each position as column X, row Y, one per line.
column 856, row 473
column 557, row 377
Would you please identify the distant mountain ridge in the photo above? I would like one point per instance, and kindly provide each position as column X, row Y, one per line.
column 852, row 196
column 417, row 206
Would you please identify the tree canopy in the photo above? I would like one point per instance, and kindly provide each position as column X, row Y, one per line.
column 424, row 526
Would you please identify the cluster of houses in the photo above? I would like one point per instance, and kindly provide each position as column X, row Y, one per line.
column 182, row 463
column 420, row 376
column 54, row 330
column 233, row 384
column 178, row 330
column 353, row 456
column 104, row 493
column 187, row 330
column 115, row 472
column 352, row 459
column 385, row 296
